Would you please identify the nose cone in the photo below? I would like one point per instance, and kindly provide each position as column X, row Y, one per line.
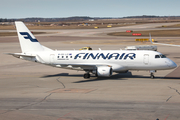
column 172, row 64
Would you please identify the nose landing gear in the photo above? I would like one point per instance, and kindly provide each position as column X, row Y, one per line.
column 152, row 76
column 152, row 73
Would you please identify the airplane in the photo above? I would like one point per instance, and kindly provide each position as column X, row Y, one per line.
column 102, row 63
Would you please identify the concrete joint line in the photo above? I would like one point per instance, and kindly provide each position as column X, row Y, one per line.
column 171, row 96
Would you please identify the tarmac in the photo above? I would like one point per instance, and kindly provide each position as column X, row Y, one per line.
column 35, row 91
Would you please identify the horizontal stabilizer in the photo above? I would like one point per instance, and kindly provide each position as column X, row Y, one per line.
column 19, row 54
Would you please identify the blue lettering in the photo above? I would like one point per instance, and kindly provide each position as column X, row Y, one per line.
column 107, row 56
column 78, row 55
column 93, row 57
column 112, row 55
column 122, row 56
column 130, row 55
column 102, row 55
column 85, row 55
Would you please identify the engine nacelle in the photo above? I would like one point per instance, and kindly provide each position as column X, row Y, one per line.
column 104, row 71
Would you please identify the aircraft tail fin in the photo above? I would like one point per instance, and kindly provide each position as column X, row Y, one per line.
column 27, row 40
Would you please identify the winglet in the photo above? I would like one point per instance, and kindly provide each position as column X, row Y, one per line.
column 150, row 39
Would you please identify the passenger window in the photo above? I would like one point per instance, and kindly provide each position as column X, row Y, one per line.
column 66, row 56
column 157, row 56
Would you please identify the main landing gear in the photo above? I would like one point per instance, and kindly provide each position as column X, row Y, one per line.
column 87, row 75
column 152, row 73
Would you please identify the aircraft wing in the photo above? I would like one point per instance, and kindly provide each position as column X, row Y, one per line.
column 166, row 44
column 162, row 43
column 82, row 66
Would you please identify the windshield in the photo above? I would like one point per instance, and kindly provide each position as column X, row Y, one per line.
column 160, row 56
column 163, row 56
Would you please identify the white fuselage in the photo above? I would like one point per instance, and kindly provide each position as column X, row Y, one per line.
column 120, row 60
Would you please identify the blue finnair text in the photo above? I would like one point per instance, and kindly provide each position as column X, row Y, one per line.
column 107, row 56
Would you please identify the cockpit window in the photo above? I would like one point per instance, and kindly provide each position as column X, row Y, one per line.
column 160, row 56
column 163, row 56
column 157, row 56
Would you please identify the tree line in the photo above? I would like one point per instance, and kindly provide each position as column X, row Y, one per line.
column 80, row 18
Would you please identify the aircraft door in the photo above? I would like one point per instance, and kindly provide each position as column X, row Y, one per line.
column 51, row 59
column 146, row 59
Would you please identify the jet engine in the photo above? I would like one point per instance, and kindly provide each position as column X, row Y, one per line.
column 104, row 71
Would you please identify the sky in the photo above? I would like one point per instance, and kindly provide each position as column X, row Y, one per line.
column 91, row 8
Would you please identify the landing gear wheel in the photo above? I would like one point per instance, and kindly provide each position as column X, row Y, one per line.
column 152, row 76
column 86, row 75
column 152, row 73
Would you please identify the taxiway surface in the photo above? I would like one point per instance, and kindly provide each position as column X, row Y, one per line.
column 34, row 91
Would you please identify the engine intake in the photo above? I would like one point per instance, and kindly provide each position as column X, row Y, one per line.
column 104, row 71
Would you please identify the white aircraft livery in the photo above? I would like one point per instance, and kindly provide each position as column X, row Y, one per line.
column 102, row 63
